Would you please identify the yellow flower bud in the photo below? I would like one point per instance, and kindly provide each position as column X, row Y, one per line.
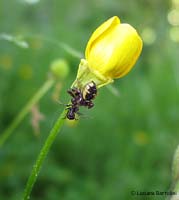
column 111, row 52
column 113, row 48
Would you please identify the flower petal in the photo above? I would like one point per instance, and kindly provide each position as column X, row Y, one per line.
column 113, row 21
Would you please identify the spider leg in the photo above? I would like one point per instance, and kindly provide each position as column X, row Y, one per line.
column 71, row 93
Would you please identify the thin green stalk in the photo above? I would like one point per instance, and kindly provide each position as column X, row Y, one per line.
column 175, row 173
column 38, row 95
column 176, row 188
column 42, row 155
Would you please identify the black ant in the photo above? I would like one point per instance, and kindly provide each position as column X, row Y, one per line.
column 82, row 97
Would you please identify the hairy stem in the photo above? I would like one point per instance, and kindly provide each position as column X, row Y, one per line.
column 38, row 95
column 42, row 155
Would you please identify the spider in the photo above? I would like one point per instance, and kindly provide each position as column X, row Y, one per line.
column 82, row 97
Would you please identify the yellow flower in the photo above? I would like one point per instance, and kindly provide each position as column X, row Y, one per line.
column 111, row 52
column 113, row 48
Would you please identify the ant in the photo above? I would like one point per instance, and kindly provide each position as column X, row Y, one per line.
column 82, row 97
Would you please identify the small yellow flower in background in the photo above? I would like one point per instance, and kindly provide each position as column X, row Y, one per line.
column 111, row 52
column 141, row 138
column 6, row 62
column 25, row 72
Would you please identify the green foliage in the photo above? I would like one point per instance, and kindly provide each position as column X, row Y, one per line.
column 124, row 143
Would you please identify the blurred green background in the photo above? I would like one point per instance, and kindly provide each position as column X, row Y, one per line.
column 124, row 143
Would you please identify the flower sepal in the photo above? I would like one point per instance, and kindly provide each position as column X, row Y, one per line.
column 86, row 75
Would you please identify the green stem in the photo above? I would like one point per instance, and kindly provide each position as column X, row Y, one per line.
column 42, row 155
column 38, row 95
column 176, row 188
column 175, row 172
